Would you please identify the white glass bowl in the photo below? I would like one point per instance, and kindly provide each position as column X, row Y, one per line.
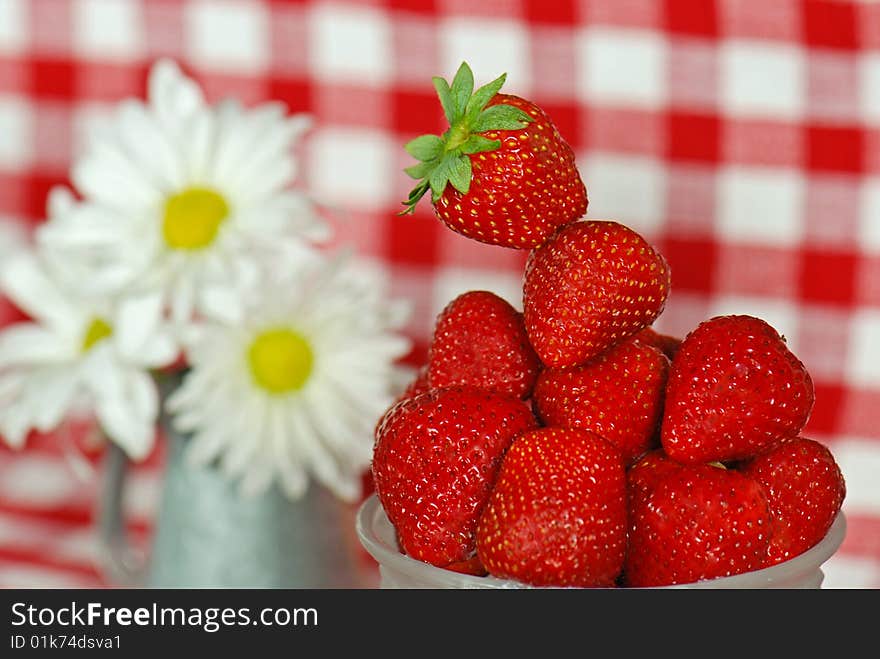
column 398, row 570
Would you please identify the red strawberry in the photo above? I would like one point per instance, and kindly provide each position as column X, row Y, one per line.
column 735, row 390
column 700, row 522
column 557, row 514
column 434, row 464
column 618, row 395
column 805, row 488
column 590, row 286
column 502, row 174
column 480, row 340
column 647, row 472
column 471, row 566
column 667, row 344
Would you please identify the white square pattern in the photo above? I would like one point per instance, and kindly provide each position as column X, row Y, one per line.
column 763, row 79
column 869, row 84
column 859, row 461
column 618, row 66
column 630, row 190
column 780, row 314
column 452, row 282
column 16, row 128
column 350, row 44
column 228, row 34
column 863, row 354
column 760, row 205
column 869, row 215
column 490, row 48
column 103, row 28
column 361, row 158
column 13, row 26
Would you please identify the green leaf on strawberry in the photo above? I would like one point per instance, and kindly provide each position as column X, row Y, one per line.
column 443, row 160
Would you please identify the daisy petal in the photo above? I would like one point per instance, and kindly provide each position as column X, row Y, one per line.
column 25, row 282
column 26, row 344
column 171, row 93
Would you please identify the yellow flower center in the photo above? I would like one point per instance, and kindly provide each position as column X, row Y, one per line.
column 98, row 330
column 193, row 218
column 280, row 360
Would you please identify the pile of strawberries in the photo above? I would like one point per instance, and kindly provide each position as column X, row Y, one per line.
column 571, row 444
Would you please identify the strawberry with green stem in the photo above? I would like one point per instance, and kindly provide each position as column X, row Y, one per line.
column 501, row 174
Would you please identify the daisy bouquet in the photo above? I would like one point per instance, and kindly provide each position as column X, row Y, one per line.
column 184, row 252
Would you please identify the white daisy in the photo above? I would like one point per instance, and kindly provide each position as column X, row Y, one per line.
column 80, row 355
column 295, row 389
column 184, row 197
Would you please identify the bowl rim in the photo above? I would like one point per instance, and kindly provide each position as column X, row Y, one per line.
column 371, row 520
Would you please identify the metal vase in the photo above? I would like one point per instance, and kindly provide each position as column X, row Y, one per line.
column 208, row 535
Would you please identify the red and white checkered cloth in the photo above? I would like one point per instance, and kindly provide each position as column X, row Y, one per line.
column 742, row 137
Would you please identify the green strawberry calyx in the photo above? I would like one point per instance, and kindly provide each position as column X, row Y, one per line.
column 444, row 159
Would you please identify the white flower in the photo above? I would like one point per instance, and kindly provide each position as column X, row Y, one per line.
column 79, row 356
column 297, row 387
column 184, row 198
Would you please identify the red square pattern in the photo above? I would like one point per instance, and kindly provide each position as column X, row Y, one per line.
column 827, row 410
column 568, row 119
column 559, row 12
column 692, row 136
column 834, row 148
column 691, row 261
column 830, row 24
column 694, row 18
column 295, row 93
column 416, row 113
column 828, row 277
column 53, row 78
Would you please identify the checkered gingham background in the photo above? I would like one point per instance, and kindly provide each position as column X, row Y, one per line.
column 742, row 137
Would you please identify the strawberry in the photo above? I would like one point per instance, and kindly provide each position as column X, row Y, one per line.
column 480, row 340
column 471, row 566
column 805, row 488
column 435, row 459
column 735, row 390
column 501, row 174
column 647, row 472
column 699, row 522
column 593, row 284
column 664, row 342
column 557, row 514
column 618, row 395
